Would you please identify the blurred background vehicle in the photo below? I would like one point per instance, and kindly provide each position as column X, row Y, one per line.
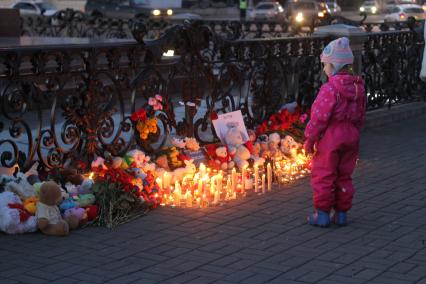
column 156, row 9
column 333, row 9
column 305, row 12
column 400, row 13
column 267, row 11
column 369, row 7
column 34, row 8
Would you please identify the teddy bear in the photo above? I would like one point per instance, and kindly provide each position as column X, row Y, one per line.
column 178, row 142
column 49, row 219
column 14, row 219
column 274, row 144
column 289, row 143
column 223, row 159
column 17, row 184
column 191, row 144
column 235, row 142
column 264, row 145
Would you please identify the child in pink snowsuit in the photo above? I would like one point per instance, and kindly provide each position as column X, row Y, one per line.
column 337, row 116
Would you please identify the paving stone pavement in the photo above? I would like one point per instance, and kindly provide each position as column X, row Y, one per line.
column 261, row 239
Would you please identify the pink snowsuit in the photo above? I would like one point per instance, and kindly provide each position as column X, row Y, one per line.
column 337, row 115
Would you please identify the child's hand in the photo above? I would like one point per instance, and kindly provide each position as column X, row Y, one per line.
column 308, row 147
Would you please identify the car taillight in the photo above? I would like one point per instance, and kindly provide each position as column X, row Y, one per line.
column 401, row 16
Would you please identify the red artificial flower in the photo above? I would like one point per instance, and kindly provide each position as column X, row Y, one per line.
column 213, row 115
column 139, row 115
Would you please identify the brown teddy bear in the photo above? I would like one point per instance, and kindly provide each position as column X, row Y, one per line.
column 49, row 219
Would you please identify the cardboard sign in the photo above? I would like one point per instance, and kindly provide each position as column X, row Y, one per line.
column 228, row 120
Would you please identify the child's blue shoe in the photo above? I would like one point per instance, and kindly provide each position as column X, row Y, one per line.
column 340, row 218
column 319, row 218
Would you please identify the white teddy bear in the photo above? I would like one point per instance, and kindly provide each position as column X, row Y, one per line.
column 18, row 185
column 235, row 142
column 289, row 143
column 10, row 217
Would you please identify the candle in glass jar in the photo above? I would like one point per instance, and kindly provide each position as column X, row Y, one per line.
column 263, row 183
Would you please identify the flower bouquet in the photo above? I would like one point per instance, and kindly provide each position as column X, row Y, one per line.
column 122, row 195
column 286, row 123
column 145, row 123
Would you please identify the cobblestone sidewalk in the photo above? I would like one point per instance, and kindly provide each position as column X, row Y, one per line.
column 259, row 239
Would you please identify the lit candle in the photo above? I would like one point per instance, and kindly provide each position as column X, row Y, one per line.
column 160, row 183
column 263, row 183
column 188, row 197
column 202, row 169
column 177, row 193
column 200, row 186
column 243, row 179
column 256, row 178
column 167, row 178
column 198, row 202
column 212, row 185
column 234, row 180
column 216, row 197
column 219, row 182
column 269, row 173
column 228, row 185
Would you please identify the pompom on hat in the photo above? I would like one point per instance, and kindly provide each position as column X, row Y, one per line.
column 338, row 52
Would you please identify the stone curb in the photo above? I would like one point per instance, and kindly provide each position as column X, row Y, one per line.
column 382, row 117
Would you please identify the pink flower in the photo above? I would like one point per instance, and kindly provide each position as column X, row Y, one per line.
column 303, row 118
column 159, row 98
column 155, row 103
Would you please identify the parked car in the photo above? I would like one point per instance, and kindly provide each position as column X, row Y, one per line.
column 400, row 13
column 132, row 8
column 369, row 7
column 35, row 8
column 267, row 11
column 333, row 8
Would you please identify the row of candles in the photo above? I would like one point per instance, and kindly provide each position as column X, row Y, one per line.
column 211, row 187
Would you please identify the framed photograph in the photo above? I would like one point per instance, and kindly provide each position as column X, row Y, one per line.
column 229, row 120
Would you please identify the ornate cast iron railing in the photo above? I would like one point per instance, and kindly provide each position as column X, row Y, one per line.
column 391, row 64
column 72, row 99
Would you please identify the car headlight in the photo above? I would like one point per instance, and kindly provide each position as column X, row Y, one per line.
column 320, row 14
column 373, row 9
column 299, row 17
column 361, row 9
column 156, row 12
column 169, row 12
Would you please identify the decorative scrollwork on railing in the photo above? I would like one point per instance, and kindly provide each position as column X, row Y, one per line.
column 391, row 64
